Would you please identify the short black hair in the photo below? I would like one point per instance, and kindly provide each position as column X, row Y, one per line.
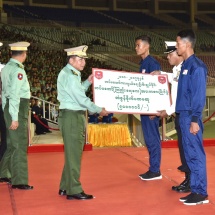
column 144, row 38
column 16, row 53
column 188, row 34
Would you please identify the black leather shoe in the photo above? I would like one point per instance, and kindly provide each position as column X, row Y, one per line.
column 79, row 196
column 183, row 189
column 6, row 180
column 175, row 187
column 62, row 192
column 22, row 187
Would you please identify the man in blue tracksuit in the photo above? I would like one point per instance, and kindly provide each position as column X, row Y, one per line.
column 176, row 61
column 190, row 103
column 150, row 124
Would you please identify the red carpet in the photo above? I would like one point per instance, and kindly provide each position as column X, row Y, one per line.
column 52, row 148
column 88, row 147
column 174, row 144
column 111, row 175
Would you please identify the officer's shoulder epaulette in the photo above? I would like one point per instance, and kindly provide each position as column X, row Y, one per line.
column 74, row 73
column 20, row 66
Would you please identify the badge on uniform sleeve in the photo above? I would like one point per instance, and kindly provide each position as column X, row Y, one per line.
column 20, row 76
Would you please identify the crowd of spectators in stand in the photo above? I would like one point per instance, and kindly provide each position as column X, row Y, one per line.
column 207, row 48
column 97, row 42
column 43, row 66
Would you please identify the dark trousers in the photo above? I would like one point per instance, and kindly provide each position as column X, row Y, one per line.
column 153, row 142
column 183, row 167
column 3, row 144
column 194, row 153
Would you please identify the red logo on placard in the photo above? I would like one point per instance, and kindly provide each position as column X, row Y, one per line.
column 162, row 79
column 99, row 74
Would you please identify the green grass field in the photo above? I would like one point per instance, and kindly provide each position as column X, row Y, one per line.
column 209, row 131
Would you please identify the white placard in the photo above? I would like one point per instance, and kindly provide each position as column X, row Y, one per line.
column 129, row 92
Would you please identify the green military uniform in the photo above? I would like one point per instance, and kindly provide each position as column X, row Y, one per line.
column 73, row 105
column 15, row 103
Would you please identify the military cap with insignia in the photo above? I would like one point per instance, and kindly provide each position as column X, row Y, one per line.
column 19, row 46
column 170, row 46
column 79, row 51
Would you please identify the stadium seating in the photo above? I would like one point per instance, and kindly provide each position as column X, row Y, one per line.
column 69, row 28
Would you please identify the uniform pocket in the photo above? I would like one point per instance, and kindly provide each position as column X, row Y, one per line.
column 24, row 108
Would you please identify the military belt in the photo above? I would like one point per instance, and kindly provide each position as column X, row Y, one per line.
column 75, row 111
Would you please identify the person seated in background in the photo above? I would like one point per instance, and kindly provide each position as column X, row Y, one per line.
column 107, row 119
column 34, row 87
column 45, row 96
column 39, row 95
column 36, row 117
column 93, row 118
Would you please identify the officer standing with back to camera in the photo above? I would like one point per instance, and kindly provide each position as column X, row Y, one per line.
column 176, row 61
column 15, row 103
column 73, row 106
column 3, row 144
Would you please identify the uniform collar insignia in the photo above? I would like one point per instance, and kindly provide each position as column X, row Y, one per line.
column 75, row 73
column 21, row 66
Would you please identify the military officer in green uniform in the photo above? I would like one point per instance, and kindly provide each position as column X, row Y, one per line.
column 15, row 103
column 73, row 106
